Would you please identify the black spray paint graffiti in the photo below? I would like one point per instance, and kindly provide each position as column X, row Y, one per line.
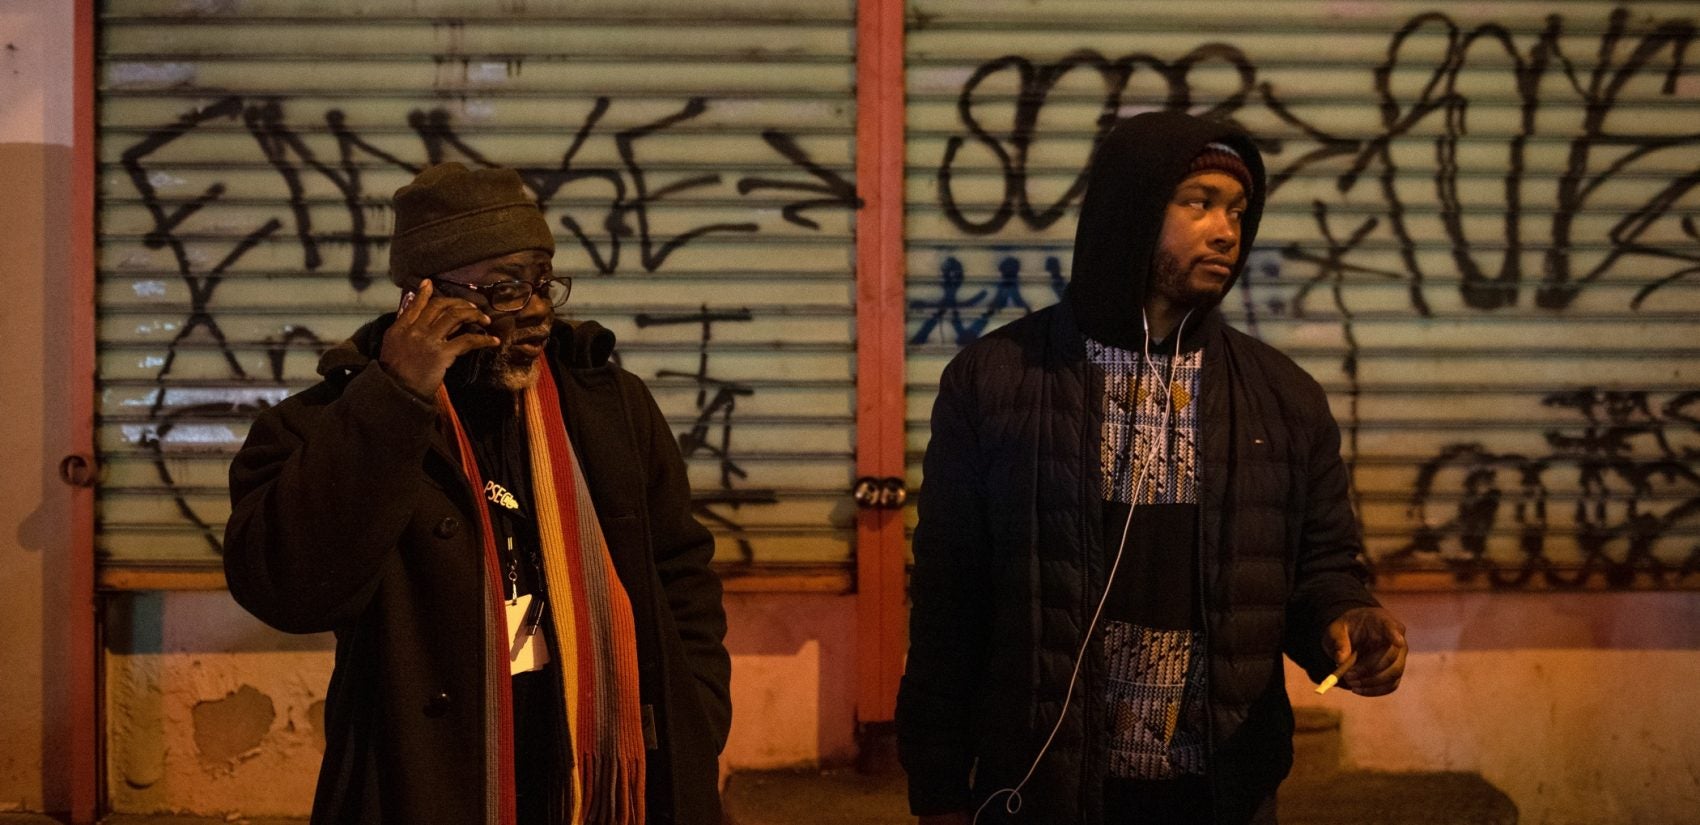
column 1331, row 268
column 201, row 285
column 717, row 399
column 1351, row 239
column 1636, row 499
column 1545, row 74
column 631, row 193
column 163, row 420
column 1036, row 83
column 626, row 217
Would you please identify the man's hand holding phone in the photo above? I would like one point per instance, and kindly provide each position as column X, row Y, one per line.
column 429, row 333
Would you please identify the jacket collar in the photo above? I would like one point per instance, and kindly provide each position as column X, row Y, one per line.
column 1068, row 342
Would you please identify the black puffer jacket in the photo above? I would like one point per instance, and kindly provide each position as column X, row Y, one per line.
column 1009, row 549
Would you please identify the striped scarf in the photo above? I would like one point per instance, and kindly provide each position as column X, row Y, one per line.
column 591, row 617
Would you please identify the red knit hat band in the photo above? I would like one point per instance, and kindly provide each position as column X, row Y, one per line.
column 1219, row 157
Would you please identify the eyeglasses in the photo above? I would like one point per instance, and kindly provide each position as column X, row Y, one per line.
column 512, row 296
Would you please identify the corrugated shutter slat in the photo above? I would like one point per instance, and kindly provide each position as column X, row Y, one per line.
column 1538, row 420
column 693, row 158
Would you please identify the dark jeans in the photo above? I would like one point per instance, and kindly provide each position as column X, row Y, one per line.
column 1183, row 801
column 538, row 741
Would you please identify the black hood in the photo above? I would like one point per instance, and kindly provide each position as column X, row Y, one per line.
column 1134, row 171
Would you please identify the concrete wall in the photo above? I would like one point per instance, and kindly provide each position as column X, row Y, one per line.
column 35, row 137
column 212, row 712
column 1580, row 706
column 1576, row 705
column 209, row 710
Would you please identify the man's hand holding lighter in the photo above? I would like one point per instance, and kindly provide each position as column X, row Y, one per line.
column 1368, row 646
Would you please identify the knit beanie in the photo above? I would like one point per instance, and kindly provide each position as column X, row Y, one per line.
column 451, row 216
column 1220, row 157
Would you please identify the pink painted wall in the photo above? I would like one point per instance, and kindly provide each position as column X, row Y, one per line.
column 1577, row 705
column 793, row 680
column 35, row 162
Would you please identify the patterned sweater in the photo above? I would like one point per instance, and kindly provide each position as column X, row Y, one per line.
column 1152, row 623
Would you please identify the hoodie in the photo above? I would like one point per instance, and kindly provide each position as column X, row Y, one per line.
column 1133, row 174
column 1009, row 541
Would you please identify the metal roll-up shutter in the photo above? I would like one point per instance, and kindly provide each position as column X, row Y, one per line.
column 694, row 159
column 1481, row 238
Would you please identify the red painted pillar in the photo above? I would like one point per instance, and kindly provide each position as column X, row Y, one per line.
column 81, row 654
column 881, row 633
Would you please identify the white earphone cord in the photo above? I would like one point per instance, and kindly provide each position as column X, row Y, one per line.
column 1013, row 805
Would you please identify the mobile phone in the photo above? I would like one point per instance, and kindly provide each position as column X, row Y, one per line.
column 407, row 297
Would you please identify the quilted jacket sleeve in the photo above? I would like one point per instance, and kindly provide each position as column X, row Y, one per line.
column 947, row 619
column 1329, row 572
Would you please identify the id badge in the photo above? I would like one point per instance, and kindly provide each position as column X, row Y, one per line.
column 528, row 648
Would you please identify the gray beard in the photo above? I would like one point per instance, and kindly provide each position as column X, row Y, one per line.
column 504, row 374
column 498, row 368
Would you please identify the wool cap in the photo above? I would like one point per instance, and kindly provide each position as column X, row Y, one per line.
column 451, row 216
column 1220, row 157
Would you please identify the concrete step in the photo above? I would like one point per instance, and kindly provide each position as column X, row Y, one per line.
column 1372, row 798
column 1316, row 743
column 831, row 797
column 844, row 797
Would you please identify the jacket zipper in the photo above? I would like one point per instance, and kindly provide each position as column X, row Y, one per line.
column 1089, row 702
column 1204, row 602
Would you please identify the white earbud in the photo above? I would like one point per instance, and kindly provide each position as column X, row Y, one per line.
column 1013, row 805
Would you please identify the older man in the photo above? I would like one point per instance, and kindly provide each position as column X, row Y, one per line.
column 1130, row 511
column 495, row 521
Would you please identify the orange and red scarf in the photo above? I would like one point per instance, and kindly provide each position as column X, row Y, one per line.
column 590, row 614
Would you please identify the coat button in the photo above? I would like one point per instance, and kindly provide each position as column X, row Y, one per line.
column 437, row 705
column 447, row 528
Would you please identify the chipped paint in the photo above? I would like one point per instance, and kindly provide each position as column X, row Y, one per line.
column 209, row 711
column 213, row 714
column 487, row 72
column 229, row 730
column 178, row 396
column 145, row 75
column 182, row 434
column 149, row 289
column 210, row 7
column 164, row 180
column 316, row 719
column 478, row 110
column 1548, row 718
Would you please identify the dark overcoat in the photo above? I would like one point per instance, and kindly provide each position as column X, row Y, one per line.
column 351, row 514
